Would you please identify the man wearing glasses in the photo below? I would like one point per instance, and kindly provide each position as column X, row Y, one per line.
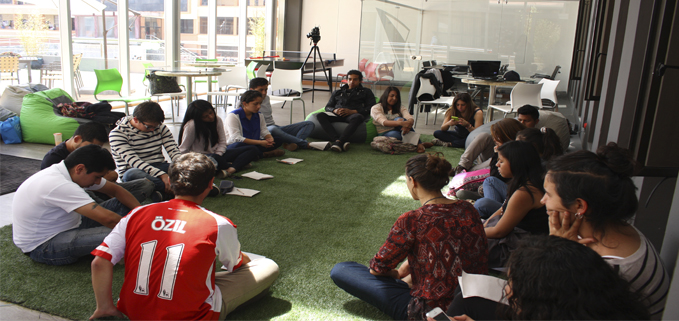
column 137, row 147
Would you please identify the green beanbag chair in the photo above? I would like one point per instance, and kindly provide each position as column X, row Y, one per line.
column 363, row 134
column 40, row 118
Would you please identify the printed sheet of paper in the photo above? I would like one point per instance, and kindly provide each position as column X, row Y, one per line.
column 291, row 161
column 257, row 175
column 243, row 192
column 485, row 286
column 411, row 138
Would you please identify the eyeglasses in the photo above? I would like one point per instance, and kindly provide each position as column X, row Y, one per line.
column 151, row 127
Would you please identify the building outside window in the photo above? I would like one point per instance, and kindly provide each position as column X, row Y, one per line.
column 186, row 26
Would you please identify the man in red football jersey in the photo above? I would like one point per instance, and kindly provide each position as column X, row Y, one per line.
column 170, row 249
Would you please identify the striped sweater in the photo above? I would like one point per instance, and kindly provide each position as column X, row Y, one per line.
column 132, row 148
column 646, row 274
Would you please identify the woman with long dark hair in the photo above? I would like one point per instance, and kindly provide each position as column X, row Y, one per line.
column 545, row 140
column 203, row 132
column 551, row 278
column 392, row 119
column 246, row 127
column 464, row 116
column 521, row 213
column 590, row 198
column 440, row 239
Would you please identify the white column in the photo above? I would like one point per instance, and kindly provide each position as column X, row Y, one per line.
column 171, row 25
column 65, row 27
column 242, row 29
column 124, row 46
column 269, row 25
column 212, row 29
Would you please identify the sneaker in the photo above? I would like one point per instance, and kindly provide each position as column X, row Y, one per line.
column 156, row 197
column 336, row 148
column 320, row 145
column 214, row 191
column 291, row 147
column 274, row 153
column 221, row 174
column 459, row 169
column 249, row 165
column 345, row 146
column 438, row 142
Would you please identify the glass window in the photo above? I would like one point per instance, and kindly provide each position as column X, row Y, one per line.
column 184, row 5
column 528, row 36
column 226, row 26
column 203, row 2
column 203, row 25
column 186, row 26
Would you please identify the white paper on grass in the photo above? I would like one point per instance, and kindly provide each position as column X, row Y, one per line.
column 257, row 175
column 243, row 192
column 411, row 138
column 291, row 161
column 484, row 286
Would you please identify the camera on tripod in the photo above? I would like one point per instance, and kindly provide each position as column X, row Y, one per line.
column 314, row 35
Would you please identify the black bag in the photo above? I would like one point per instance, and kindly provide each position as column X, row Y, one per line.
column 37, row 64
column 162, row 84
column 512, row 76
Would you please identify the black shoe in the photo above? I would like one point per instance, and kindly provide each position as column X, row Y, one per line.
column 214, row 191
column 345, row 146
column 336, row 147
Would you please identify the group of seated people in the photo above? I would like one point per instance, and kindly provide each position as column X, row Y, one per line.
column 565, row 240
column 86, row 200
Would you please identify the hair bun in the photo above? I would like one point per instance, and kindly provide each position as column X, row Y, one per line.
column 438, row 165
column 618, row 159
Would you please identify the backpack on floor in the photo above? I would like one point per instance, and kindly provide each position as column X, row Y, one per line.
column 391, row 145
column 469, row 181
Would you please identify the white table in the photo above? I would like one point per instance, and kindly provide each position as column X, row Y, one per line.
column 28, row 61
column 189, row 74
column 209, row 64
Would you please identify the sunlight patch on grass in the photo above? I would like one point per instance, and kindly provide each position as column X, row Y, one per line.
column 397, row 189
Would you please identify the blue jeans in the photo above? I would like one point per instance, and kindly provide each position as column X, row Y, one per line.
column 494, row 194
column 390, row 295
column 68, row 246
column 136, row 173
column 294, row 133
column 237, row 158
column 260, row 149
column 396, row 132
column 457, row 136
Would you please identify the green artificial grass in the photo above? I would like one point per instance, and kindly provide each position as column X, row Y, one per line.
column 327, row 209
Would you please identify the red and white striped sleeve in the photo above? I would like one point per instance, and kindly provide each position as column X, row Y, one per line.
column 113, row 247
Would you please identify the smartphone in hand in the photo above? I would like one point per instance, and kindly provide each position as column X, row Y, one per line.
column 438, row 314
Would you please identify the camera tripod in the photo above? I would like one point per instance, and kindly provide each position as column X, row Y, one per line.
column 314, row 49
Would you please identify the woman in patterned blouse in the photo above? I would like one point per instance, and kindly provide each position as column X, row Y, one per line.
column 440, row 239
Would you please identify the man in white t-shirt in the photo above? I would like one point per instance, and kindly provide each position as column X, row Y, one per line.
column 54, row 220
column 170, row 250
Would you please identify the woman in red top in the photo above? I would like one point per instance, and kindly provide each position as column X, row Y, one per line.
column 440, row 239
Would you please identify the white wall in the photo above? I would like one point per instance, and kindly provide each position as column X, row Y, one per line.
column 340, row 25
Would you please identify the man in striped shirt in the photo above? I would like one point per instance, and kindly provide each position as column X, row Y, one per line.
column 137, row 145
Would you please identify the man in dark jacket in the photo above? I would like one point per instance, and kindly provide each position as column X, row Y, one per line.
column 350, row 104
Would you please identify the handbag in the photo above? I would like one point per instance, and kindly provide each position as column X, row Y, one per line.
column 10, row 130
column 391, row 145
column 162, row 84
